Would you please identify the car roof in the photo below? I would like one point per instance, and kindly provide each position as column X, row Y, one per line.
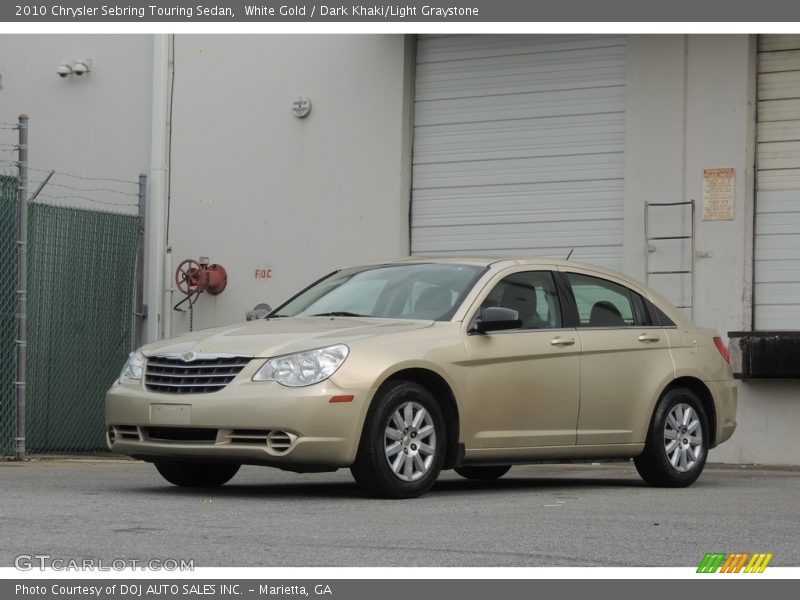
column 503, row 261
column 483, row 261
column 500, row 262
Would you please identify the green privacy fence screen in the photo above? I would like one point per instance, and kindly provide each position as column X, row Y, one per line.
column 80, row 297
column 8, row 311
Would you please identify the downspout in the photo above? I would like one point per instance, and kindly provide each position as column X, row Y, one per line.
column 158, row 314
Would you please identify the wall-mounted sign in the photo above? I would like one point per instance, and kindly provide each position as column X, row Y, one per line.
column 718, row 194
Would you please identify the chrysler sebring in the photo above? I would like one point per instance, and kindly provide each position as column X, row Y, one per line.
column 401, row 370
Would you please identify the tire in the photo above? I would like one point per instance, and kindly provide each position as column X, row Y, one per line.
column 674, row 454
column 197, row 474
column 402, row 444
column 485, row 473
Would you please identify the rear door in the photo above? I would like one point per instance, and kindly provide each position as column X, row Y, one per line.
column 624, row 359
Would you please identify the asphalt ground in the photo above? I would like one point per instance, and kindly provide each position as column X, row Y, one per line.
column 565, row 515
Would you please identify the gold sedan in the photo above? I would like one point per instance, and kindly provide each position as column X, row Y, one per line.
column 400, row 370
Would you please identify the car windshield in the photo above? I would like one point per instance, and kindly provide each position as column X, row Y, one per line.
column 408, row 291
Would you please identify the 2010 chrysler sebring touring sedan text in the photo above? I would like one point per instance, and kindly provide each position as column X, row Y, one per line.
column 401, row 370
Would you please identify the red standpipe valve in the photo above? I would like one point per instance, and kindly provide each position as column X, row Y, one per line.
column 192, row 277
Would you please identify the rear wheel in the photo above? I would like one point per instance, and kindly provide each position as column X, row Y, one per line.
column 197, row 474
column 677, row 443
column 486, row 473
column 402, row 444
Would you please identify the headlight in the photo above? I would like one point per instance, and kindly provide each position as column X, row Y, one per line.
column 134, row 368
column 303, row 368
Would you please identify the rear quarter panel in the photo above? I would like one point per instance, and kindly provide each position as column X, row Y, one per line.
column 695, row 355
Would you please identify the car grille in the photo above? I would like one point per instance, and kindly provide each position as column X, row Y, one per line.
column 209, row 373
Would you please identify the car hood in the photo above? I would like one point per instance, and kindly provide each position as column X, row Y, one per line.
column 273, row 337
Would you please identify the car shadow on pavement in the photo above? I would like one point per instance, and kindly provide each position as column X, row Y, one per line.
column 349, row 490
column 305, row 489
column 535, row 483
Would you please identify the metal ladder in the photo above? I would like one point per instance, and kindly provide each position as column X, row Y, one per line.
column 650, row 248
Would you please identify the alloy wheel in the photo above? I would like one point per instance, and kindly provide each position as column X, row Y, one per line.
column 683, row 438
column 410, row 441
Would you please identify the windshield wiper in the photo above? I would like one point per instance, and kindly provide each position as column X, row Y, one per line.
column 275, row 316
column 339, row 313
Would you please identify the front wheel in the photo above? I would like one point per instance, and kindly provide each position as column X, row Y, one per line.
column 677, row 443
column 403, row 443
column 197, row 474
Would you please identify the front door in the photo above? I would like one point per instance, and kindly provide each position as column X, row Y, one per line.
column 524, row 384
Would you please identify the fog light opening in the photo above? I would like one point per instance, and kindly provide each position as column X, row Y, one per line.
column 279, row 441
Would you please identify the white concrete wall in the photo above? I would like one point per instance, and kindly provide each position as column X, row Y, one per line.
column 654, row 135
column 253, row 187
column 96, row 125
column 721, row 85
column 689, row 106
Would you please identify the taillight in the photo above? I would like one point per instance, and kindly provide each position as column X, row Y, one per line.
column 723, row 349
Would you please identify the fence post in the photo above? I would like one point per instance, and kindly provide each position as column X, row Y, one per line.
column 22, row 287
column 140, row 310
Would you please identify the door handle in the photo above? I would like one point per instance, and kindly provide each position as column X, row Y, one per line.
column 648, row 337
column 559, row 341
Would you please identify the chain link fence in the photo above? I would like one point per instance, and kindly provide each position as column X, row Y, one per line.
column 80, row 304
column 81, row 265
column 8, row 311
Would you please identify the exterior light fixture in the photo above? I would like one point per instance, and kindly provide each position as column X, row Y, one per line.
column 74, row 67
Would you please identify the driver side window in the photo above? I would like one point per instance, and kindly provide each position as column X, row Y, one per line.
column 533, row 295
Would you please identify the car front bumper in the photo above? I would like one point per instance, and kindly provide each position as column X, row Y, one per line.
column 247, row 422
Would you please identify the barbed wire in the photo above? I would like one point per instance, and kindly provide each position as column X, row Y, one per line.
column 78, row 197
column 80, row 177
column 81, row 189
column 65, row 174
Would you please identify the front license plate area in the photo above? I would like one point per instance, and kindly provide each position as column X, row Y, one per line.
column 170, row 414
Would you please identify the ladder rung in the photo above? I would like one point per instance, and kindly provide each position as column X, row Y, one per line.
column 669, row 272
column 670, row 203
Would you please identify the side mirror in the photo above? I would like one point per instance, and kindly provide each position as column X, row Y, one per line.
column 259, row 312
column 497, row 318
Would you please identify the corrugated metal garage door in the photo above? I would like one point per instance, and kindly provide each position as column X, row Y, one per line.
column 519, row 146
column 777, row 230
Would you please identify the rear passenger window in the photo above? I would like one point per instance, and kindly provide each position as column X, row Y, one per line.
column 603, row 303
column 658, row 317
